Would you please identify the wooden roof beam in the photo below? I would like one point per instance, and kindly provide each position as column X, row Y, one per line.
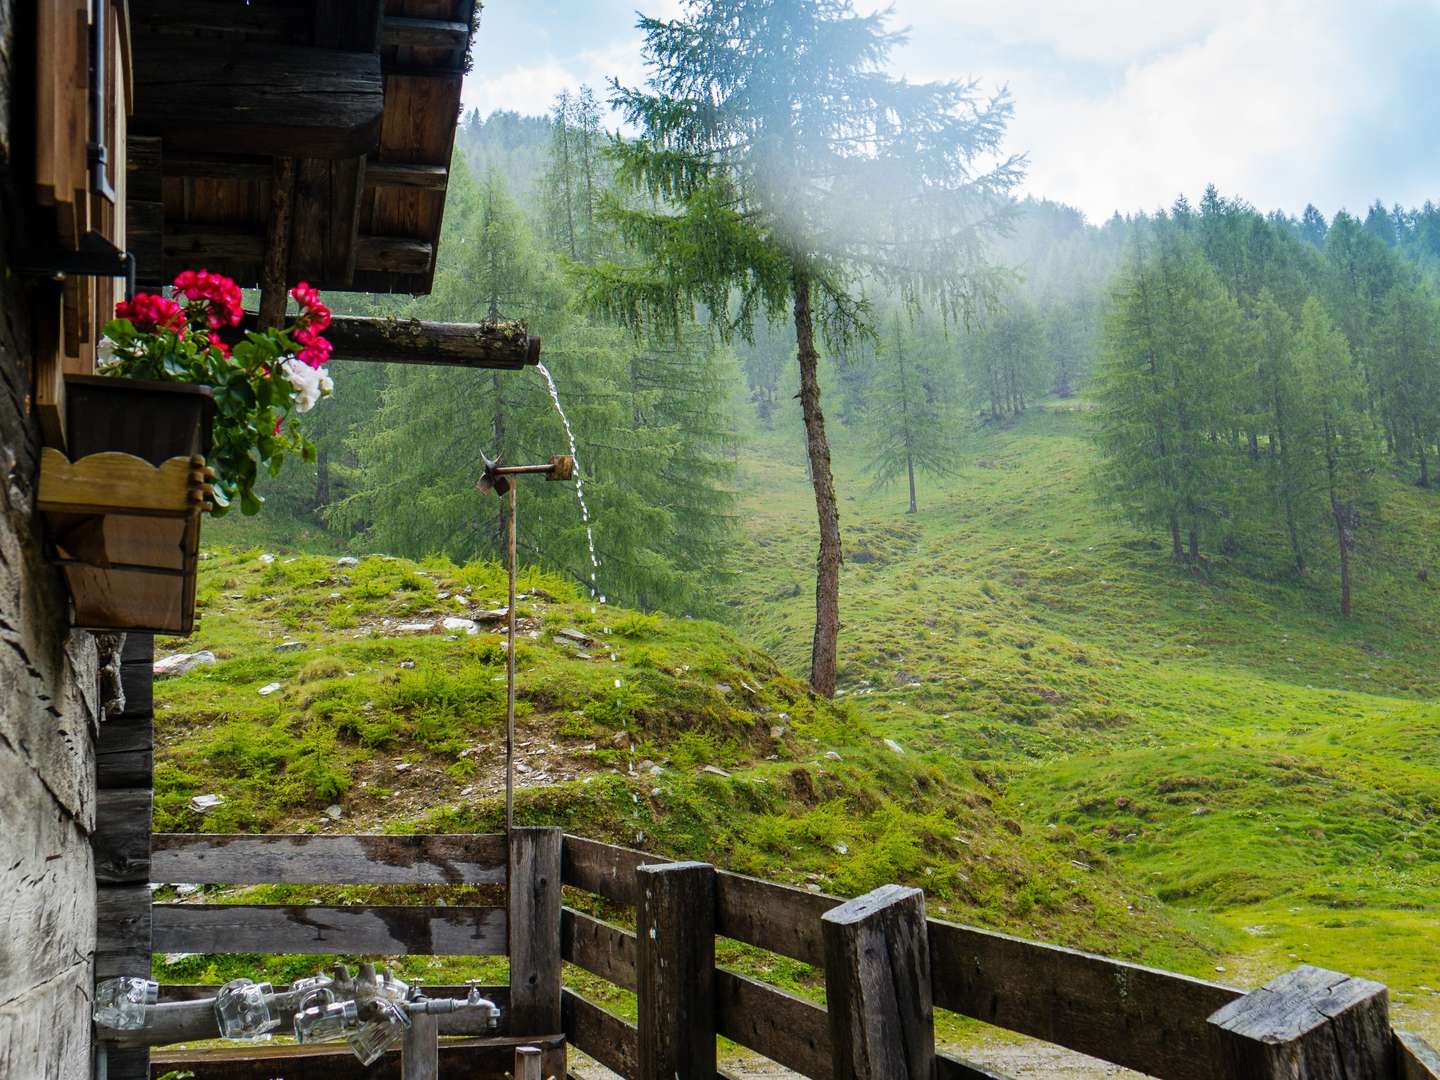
column 220, row 244
column 505, row 346
column 271, row 100
column 380, row 174
column 424, row 33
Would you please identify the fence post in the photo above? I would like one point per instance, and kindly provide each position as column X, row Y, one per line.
column 527, row 1063
column 420, row 1054
column 1305, row 1025
column 675, row 969
column 877, row 986
column 534, row 931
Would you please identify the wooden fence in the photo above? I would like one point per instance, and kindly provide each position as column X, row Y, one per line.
column 886, row 968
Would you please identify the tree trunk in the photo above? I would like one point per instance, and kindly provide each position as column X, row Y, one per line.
column 1194, row 555
column 322, row 478
column 1254, row 446
column 1424, row 464
column 1342, row 542
column 827, row 566
column 910, row 471
column 1176, row 550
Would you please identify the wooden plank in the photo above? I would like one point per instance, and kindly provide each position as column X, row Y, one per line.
column 138, row 681
column 406, row 175
column 355, row 859
column 325, row 929
column 601, row 1034
column 1145, row 1019
column 1307, row 1024
column 1415, row 1058
column 675, row 969
column 124, row 756
column 202, row 166
column 604, row 869
column 599, row 947
column 501, row 345
column 112, row 481
column 534, row 925
column 420, row 1054
column 396, row 254
column 424, row 33
column 123, row 931
column 877, row 987
column 348, row 24
column 138, row 649
column 474, row 1059
column 122, row 836
column 769, row 916
column 781, row 1026
column 258, row 99
column 949, row 1067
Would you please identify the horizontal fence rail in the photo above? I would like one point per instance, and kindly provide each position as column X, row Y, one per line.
column 1153, row 1021
column 329, row 929
column 285, row 859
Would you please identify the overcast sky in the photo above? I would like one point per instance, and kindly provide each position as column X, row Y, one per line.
column 1119, row 104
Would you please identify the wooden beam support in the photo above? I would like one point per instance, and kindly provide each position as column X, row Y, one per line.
column 675, row 932
column 534, row 927
column 1308, row 1024
column 506, row 345
column 329, row 930
column 258, row 99
column 420, row 1055
column 380, row 174
column 424, row 33
column 877, row 986
column 273, row 285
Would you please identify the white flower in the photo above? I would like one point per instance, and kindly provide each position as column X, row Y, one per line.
column 105, row 353
column 311, row 384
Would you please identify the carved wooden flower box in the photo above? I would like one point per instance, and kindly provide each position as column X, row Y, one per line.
column 123, row 509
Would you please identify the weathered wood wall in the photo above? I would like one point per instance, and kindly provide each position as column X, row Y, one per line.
column 49, row 711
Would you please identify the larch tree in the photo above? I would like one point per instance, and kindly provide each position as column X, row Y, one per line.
column 1165, row 389
column 910, row 420
column 1340, row 433
column 783, row 165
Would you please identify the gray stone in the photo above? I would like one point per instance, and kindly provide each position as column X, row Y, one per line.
column 290, row 646
column 334, row 811
column 180, row 663
column 347, row 560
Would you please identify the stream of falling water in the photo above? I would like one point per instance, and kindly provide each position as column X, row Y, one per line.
column 595, row 594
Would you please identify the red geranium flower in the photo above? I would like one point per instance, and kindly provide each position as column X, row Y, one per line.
column 220, row 294
column 315, row 349
column 149, row 312
column 313, row 312
column 219, row 345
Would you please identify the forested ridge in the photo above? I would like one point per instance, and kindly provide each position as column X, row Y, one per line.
column 1248, row 377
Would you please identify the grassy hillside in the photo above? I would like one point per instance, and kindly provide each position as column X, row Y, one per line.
column 1219, row 736
column 668, row 734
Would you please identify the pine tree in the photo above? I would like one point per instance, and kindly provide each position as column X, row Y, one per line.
column 1004, row 363
column 910, row 421
column 785, row 155
column 1313, row 227
column 1277, row 381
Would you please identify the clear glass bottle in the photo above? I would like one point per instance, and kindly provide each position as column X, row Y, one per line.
column 326, row 1023
column 242, row 1009
column 120, row 1002
column 384, row 1027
